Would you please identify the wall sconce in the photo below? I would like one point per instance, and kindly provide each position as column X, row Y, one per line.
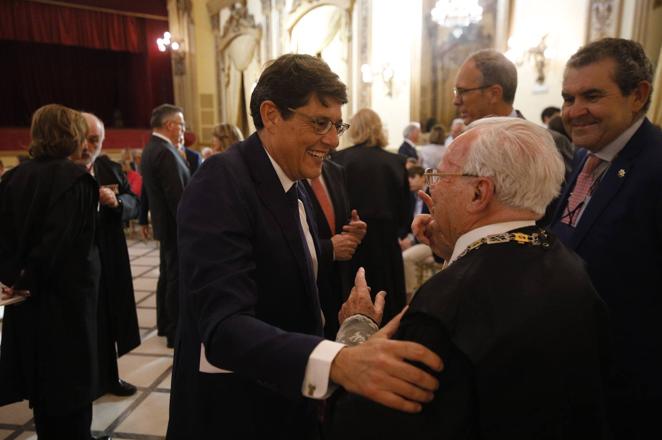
column 539, row 55
column 386, row 73
column 166, row 43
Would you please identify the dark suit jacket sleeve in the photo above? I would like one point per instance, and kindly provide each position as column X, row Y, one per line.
column 167, row 173
column 219, row 245
column 143, row 215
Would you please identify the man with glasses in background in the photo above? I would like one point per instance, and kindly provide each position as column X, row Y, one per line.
column 165, row 174
column 251, row 359
column 485, row 86
column 522, row 346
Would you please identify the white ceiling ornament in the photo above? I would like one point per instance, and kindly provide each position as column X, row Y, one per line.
column 457, row 14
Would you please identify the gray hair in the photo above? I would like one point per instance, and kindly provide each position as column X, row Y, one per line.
column 98, row 121
column 495, row 68
column 161, row 113
column 409, row 129
column 521, row 159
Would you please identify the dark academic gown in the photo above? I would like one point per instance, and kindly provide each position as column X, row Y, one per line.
column 379, row 190
column 118, row 321
column 523, row 349
column 48, row 209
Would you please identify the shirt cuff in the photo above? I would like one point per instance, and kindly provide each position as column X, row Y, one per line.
column 316, row 380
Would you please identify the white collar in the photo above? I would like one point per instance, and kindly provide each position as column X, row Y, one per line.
column 159, row 135
column 609, row 151
column 284, row 180
column 476, row 234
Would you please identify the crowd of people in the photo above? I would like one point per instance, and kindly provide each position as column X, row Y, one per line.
column 288, row 282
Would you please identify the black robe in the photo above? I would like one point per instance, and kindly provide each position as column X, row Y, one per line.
column 378, row 189
column 48, row 209
column 118, row 321
column 523, row 336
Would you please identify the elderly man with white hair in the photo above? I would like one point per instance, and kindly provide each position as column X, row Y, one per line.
column 117, row 319
column 514, row 314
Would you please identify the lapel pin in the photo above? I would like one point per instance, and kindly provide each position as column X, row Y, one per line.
column 621, row 173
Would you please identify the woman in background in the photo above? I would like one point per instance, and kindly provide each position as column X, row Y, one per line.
column 48, row 207
column 379, row 190
column 223, row 136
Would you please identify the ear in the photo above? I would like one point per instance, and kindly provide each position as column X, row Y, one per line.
column 640, row 95
column 496, row 93
column 270, row 115
column 482, row 196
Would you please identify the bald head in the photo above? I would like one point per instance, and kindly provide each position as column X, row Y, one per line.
column 93, row 140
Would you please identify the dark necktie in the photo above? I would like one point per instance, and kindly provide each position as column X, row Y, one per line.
column 294, row 196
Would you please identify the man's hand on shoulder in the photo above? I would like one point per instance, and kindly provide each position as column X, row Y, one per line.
column 380, row 370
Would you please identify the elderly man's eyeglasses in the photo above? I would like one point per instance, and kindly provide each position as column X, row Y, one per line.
column 460, row 92
column 322, row 125
column 432, row 176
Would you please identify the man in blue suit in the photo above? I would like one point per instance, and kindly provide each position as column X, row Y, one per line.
column 610, row 213
column 250, row 359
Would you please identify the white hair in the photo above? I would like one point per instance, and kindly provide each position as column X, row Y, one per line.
column 410, row 128
column 520, row 157
column 102, row 127
column 457, row 121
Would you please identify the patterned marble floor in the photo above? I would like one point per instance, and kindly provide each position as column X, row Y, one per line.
column 143, row 416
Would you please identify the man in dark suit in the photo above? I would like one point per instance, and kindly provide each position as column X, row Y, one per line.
column 610, row 213
column 117, row 318
column 340, row 232
column 522, row 346
column 411, row 134
column 250, row 357
column 165, row 174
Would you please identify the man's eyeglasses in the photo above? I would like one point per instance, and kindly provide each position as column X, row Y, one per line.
column 322, row 125
column 460, row 92
column 432, row 176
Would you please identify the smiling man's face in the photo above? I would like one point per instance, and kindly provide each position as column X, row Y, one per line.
column 595, row 112
column 295, row 145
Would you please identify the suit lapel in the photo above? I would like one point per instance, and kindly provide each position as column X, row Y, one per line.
column 270, row 191
column 616, row 175
column 180, row 160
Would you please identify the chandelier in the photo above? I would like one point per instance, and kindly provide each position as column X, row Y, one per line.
column 457, row 14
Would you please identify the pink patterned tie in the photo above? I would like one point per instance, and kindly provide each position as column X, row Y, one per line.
column 325, row 203
column 582, row 188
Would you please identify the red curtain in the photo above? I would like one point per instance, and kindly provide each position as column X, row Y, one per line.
column 104, row 63
column 44, row 23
